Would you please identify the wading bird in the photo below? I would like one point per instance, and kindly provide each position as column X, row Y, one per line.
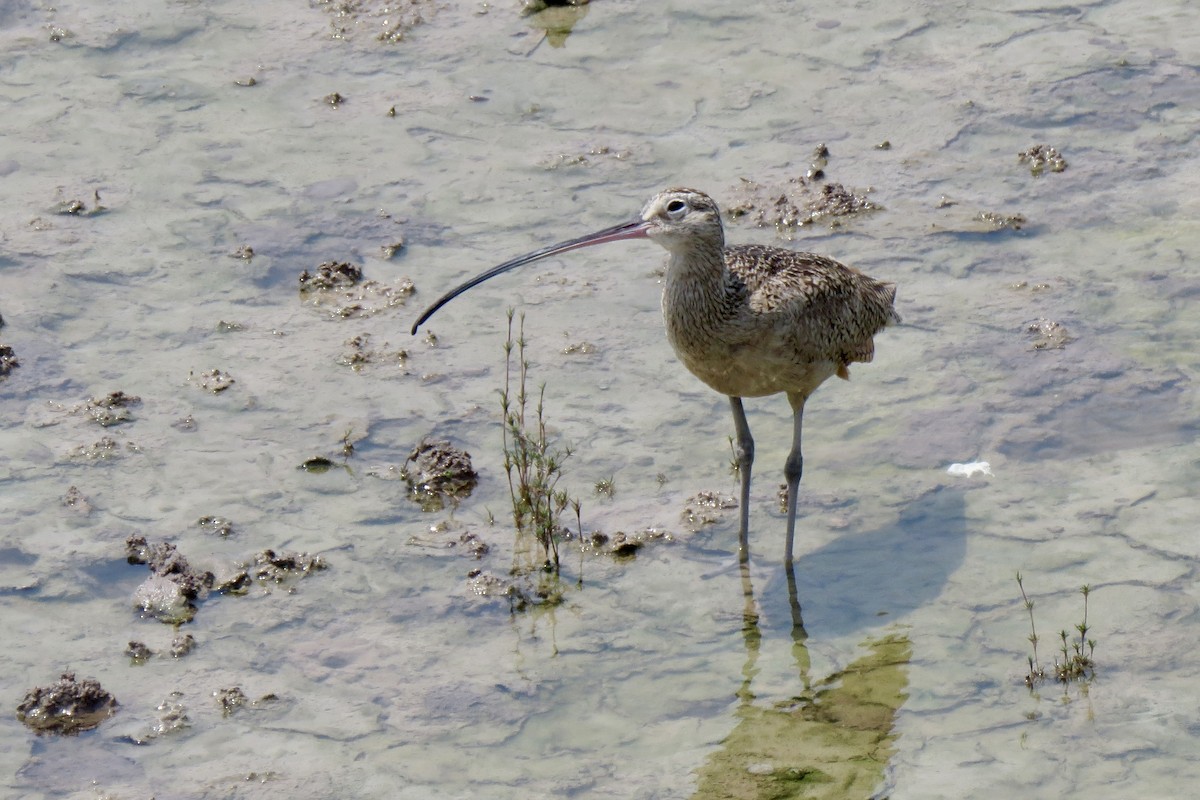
column 748, row 320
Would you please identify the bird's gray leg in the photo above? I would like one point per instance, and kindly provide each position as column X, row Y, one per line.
column 792, row 469
column 744, row 453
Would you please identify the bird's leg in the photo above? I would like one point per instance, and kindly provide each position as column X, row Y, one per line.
column 792, row 469
column 744, row 453
column 799, row 634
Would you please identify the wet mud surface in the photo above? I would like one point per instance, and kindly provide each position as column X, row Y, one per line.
column 804, row 199
column 164, row 376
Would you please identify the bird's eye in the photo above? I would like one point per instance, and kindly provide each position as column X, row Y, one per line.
column 675, row 208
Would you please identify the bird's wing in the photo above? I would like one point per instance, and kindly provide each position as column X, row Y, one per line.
column 824, row 308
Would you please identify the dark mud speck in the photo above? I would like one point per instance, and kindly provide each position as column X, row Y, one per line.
column 230, row 700
column 77, row 501
column 318, row 465
column 1002, row 222
column 138, row 652
column 1042, row 157
column 704, row 509
column 472, row 544
column 172, row 718
column 361, row 353
column 1048, row 335
column 620, row 545
column 626, row 545
column 102, row 450
column 182, row 645
column 68, row 706
column 214, row 380
column 218, row 525
column 8, row 360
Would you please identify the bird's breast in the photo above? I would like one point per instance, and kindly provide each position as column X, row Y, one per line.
column 738, row 353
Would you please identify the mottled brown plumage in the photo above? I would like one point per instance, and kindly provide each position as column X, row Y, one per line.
column 747, row 320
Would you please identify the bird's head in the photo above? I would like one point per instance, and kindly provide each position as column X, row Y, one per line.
column 683, row 219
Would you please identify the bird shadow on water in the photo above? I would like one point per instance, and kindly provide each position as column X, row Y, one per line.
column 835, row 735
column 860, row 579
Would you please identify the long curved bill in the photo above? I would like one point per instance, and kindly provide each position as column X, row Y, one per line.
column 635, row 229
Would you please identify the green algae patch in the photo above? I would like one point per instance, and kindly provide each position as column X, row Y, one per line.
column 833, row 741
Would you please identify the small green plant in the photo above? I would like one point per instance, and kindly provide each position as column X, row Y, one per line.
column 606, row 487
column 533, row 465
column 1076, row 663
column 1036, row 673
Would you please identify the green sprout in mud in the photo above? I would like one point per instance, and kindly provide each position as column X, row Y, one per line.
column 1075, row 662
column 533, row 465
column 606, row 487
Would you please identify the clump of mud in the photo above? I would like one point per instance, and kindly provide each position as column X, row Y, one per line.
column 271, row 567
column 8, row 360
column 104, row 449
column 992, row 221
column 111, row 409
column 524, row 592
column 67, row 707
column 138, row 652
column 360, row 353
column 983, row 223
column 77, row 501
column 1042, row 157
column 387, row 21
column 330, row 275
column 182, row 645
column 230, row 700
column 439, row 472
column 168, row 593
column 467, row 543
column 622, row 545
column 219, row 525
column 705, row 509
column 213, row 380
column 234, row 699
column 799, row 201
column 339, row 286
column 172, row 718
column 1048, row 335
column 595, row 154
column 78, row 208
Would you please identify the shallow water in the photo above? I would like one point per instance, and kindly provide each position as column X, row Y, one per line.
column 393, row 678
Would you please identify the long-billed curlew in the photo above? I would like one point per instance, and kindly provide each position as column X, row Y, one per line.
column 748, row 320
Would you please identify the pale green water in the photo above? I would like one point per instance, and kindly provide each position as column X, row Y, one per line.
column 397, row 681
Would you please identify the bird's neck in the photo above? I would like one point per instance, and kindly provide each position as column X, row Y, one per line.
column 699, row 297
